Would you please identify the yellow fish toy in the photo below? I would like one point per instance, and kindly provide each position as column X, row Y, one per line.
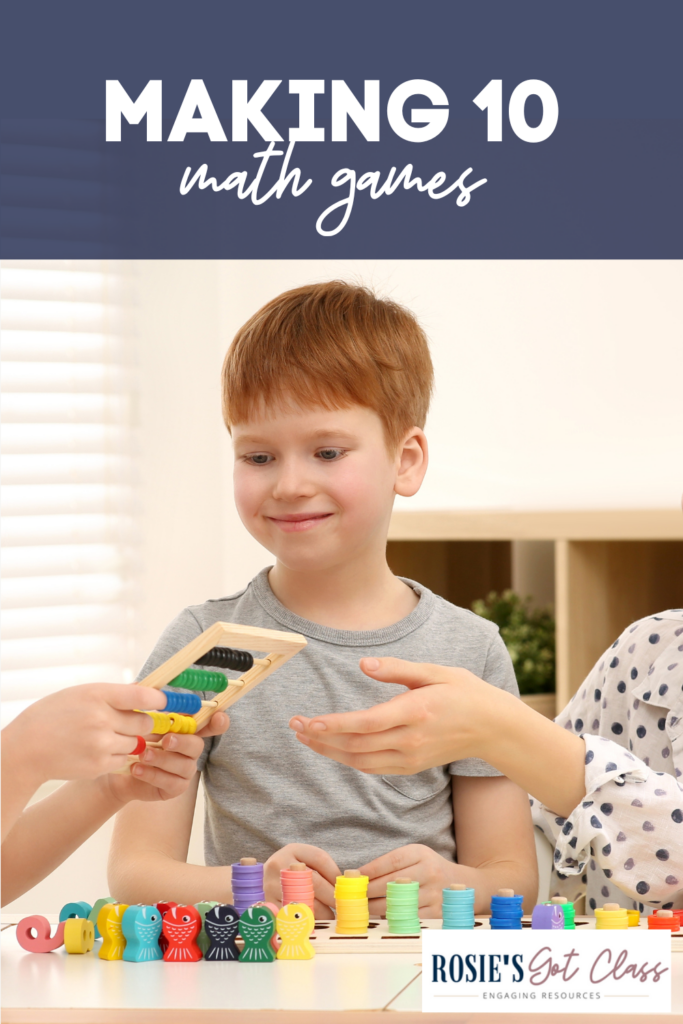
column 294, row 924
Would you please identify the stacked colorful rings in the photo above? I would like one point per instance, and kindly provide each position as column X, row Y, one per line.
column 611, row 916
column 297, row 885
column 457, row 908
column 633, row 918
column 351, row 900
column 403, row 898
column 663, row 919
column 247, row 884
column 506, row 911
column 182, row 703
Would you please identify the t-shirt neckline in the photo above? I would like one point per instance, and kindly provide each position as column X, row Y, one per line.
column 344, row 637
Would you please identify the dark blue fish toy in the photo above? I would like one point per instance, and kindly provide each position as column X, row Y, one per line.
column 221, row 924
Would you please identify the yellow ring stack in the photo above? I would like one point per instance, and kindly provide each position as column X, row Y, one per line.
column 611, row 916
column 351, row 899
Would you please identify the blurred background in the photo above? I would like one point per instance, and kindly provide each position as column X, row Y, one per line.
column 555, row 436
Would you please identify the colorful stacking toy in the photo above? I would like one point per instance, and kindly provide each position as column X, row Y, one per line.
column 181, row 926
column 202, row 939
column 95, row 913
column 351, row 900
column 403, row 896
column 295, row 922
column 247, row 883
column 664, row 920
column 506, row 910
column 567, row 909
column 79, row 909
column 141, row 927
column 79, row 935
column 457, row 907
column 42, row 941
column 221, row 924
column 109, row 925
column 612, row 916
column 257, row 927
column 548, row 916
column 297, row 885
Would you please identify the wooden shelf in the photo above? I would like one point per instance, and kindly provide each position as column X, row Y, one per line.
column 611, row 568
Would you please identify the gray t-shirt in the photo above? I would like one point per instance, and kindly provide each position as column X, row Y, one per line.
column 264, row 789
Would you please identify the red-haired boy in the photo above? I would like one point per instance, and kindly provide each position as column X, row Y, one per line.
column 325, row 392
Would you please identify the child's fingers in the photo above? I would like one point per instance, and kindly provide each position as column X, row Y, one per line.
column 168, row 784
column 127, row 697
column 130, row 723
column 405, row 673
column 375, row 762
column 351, row 742
column 169, row 761
column 218, row 724
column 374, row 720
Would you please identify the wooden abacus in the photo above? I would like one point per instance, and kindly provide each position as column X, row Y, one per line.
column 282, row 647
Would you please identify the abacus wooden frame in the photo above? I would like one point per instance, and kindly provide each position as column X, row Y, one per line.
column 282, row 647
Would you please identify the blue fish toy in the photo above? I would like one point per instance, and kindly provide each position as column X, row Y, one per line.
column 141, row 929
column 221, row 924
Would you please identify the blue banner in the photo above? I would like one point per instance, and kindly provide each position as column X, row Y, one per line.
column 492, row 129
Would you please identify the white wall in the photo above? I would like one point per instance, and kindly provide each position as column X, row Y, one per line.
column 558, row 385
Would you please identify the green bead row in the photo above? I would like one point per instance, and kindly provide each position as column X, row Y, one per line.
column 199, row 679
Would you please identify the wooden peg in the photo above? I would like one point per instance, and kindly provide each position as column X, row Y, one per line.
column 248, row 861
column 506, row 892
column 403, row 881
column 611, row 906
column 352, row 873
column 298, row 866
column 457, row 887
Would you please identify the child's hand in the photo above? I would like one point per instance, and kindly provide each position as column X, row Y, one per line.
column 445, row 715
column 162, row 774
column 84, row 731
column 325, row 872
column 420, row 864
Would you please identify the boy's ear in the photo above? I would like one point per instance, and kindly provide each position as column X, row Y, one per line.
column 412, row 460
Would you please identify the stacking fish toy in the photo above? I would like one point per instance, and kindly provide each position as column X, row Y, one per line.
column 141, row 928
column 221, row 924
column 257, row 927
column 295, row 922
column 109, row 926
column 181, row 926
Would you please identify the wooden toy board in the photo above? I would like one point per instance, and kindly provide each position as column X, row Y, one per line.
column 379, row 940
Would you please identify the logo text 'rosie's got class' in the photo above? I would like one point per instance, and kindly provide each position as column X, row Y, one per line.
column 408, row 119
column 541, row 967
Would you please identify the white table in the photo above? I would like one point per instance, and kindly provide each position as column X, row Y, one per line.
column 344, row 988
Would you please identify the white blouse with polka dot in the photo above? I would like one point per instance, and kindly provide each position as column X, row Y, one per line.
column 624, row 843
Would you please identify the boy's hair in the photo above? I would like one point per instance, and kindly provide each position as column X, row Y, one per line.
column 334, row 345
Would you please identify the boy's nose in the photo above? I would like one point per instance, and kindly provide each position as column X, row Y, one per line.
column 293, row 482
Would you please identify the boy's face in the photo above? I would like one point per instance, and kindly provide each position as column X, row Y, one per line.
column 315, row 486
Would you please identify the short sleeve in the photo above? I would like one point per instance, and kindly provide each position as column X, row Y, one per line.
column 498, row 671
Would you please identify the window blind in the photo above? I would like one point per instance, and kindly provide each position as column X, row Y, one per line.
column 69, row 524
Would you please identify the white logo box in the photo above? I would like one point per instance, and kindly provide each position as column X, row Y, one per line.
column 546, row 971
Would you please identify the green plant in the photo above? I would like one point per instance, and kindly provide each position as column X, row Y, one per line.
column 528, row 634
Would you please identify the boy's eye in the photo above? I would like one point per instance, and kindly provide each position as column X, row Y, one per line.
column 260, row 459
column 330, row 454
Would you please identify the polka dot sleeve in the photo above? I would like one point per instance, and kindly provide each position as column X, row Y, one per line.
column 631, row 821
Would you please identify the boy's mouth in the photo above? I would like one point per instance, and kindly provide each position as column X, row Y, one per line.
column 297, row 522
